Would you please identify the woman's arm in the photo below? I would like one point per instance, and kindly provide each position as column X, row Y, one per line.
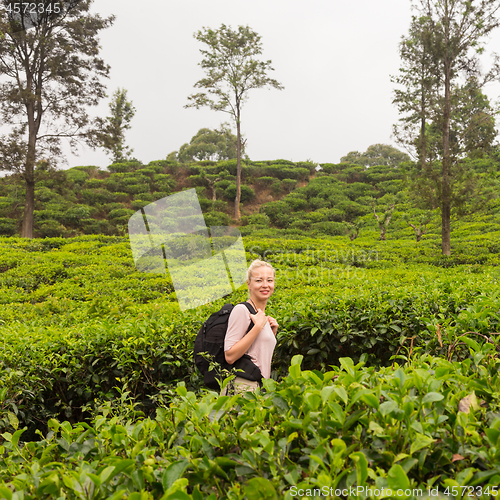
column 242, row 346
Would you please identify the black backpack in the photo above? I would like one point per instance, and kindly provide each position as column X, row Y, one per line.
column 209, row 348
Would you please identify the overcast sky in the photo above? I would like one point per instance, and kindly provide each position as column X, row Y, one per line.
column 334, row 58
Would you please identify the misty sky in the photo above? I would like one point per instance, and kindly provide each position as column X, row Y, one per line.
column 333, row 57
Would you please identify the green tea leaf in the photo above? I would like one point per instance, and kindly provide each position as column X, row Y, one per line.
column 431, row 397
column 397, row 478
column 419, row 442
column 259, row 488
column 173, row 472
column 361, row 467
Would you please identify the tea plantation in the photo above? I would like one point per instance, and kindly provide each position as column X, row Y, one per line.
column 385, row 380
column 385, row 377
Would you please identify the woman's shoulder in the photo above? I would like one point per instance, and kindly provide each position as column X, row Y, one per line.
column 243, row 305
column 240, row 311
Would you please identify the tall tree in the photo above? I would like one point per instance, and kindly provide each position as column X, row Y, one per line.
column 449, row 34
column 231, row 71
column 112, row 134
column 418, row 77
column 49, row 76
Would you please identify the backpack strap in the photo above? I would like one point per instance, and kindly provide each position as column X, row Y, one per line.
column 250, row 370
column 251, row 310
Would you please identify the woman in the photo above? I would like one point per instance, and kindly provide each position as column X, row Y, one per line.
column 259, row 342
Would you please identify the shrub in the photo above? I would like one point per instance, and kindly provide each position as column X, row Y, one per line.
column 48, row 214
column 93, row 226
column 95, row 196
column 283, row 162
column 278, row 212
column 122, row 197
column 300, row 223
column 264, row 182
column 333, row 214
column 276, row 187
column 357, row 189
column 318, row 202
column 43, row 194
column 138, row 204
column 144, row 196
column 223, row 184
column 194, row 170
column 296, row 202
column 330, row 228
column 205, row 204
column 163, row 182
column 288, row 185
column 197, row 180
column 76, row 175
column 247, row 193
column 135, row 188
column 229, row 165
column 75, row 214
column 8, row 227
column 95, row 183
column 129, row 166
column 256, row 219
column 120, row 213
column 50, row 229
column 217, row 219
column 164, row 166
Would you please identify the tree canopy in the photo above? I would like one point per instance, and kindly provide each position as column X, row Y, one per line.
column 376, row 154
column 207, row 144
column 112, row 134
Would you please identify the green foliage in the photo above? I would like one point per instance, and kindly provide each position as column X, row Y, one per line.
column 95, row 196
column 50, row 229
column 247, row 193
column 418, row 426
column 76, row 175
column 377, row 154
column 111, row 135
column 8, row 227
column 215, row 218
column 218, row 144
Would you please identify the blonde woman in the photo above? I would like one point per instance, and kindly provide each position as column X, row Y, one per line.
column 258, row 342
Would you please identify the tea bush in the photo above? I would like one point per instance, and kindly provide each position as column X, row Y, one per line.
column 76, row 314
column 432, row 424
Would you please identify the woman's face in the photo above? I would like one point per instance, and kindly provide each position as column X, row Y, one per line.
column 261, row 284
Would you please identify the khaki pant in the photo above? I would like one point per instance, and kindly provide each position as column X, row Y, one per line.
column 239, row 385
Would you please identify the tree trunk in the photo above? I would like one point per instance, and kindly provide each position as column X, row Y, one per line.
column 446, row 172
column 423, row 142
column 29, row 174
column 238, row 168
column 29, row 205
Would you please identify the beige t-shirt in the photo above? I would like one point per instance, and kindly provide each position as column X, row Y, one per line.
column 261, row 351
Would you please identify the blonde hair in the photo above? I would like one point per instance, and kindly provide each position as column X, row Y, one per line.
column 255, row 264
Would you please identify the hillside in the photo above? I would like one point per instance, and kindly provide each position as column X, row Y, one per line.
column 278, row 197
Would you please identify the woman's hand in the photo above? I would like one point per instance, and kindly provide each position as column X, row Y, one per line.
column 259, row 319
column 274, row 324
